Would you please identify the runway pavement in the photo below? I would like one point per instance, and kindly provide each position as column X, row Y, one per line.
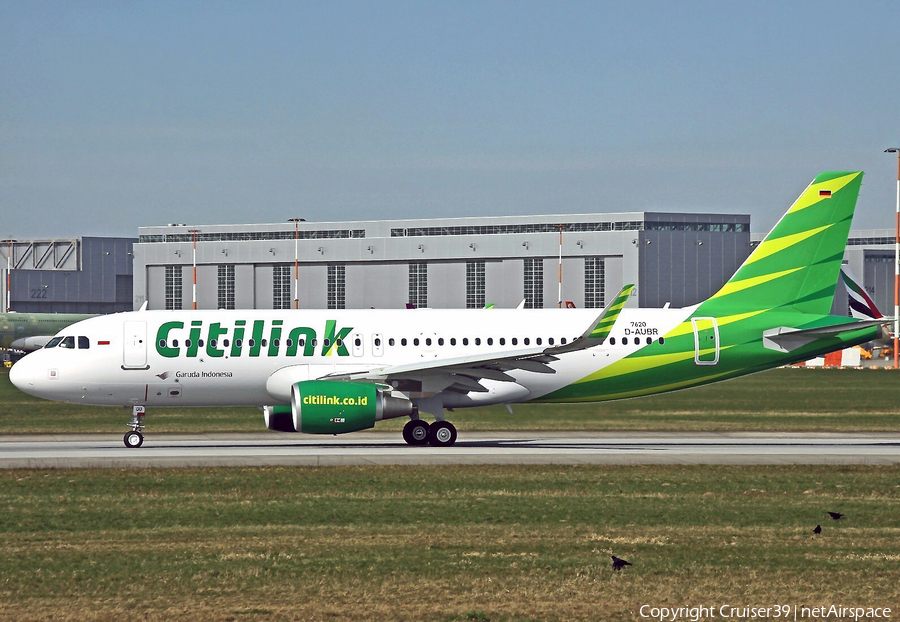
column 371, row 448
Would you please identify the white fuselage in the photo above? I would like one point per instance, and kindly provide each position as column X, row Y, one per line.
column 252, row 357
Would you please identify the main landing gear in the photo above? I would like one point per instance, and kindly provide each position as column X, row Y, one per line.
column 438, row 434
column 135, row 438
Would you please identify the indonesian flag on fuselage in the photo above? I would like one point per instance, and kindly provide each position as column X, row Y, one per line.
column 861, row 306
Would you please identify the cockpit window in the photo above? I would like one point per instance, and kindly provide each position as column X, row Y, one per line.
column 53, row 342
column 83, row 343
column 68, row 342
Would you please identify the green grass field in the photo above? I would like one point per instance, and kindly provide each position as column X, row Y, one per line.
column 442, row 543
column 460, row 543
column 777, row 400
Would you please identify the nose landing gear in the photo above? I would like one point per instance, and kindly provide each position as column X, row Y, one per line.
column 134, row 438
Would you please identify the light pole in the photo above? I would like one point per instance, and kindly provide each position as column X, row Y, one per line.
column 296, row 222
column 559, row 294
column 9, row 247
column 194, row 262
column 896, row 259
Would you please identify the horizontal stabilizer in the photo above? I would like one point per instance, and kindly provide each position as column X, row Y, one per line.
column 786, row 339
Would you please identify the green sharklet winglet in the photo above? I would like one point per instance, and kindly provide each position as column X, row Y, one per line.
column 608, row 319
column 599, row 330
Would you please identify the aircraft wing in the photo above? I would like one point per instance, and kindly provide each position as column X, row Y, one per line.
column 466, row 369
column 463, row 374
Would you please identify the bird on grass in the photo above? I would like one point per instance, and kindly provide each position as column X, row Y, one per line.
column 618, row 563
column 818, row 529
column 836, row 515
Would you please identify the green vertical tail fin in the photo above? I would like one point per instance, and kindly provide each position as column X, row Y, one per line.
column 798, row 263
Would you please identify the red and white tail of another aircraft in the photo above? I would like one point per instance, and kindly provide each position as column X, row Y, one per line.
column 862, row 307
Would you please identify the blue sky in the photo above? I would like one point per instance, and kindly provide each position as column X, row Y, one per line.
column 115, row 115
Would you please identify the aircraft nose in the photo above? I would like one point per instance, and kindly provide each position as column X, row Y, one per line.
column 22, row 375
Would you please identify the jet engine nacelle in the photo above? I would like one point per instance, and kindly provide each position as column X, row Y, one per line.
column 332, row 407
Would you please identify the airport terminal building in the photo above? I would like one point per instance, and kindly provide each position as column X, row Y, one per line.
column 673, row 258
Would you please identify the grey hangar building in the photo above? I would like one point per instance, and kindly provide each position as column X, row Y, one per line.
column 86, row 274
column 672, row 258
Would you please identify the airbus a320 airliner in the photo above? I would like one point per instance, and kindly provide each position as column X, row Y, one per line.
column 328, row 372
